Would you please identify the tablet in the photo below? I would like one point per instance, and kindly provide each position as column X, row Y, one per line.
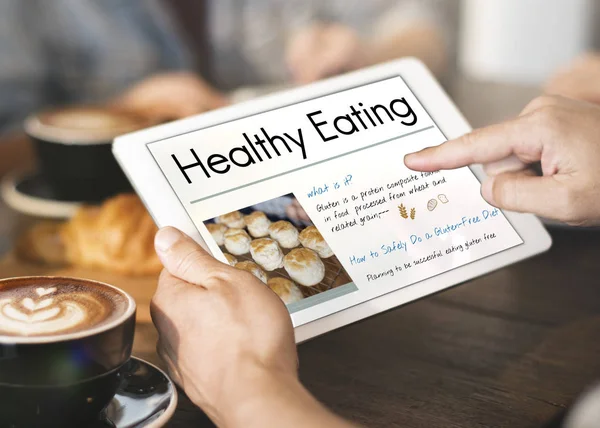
column 307, row 188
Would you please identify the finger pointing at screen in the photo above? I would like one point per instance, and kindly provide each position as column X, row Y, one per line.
column 561, row 134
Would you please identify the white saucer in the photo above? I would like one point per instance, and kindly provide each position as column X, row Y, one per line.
column 146, row 398
column 29, row 194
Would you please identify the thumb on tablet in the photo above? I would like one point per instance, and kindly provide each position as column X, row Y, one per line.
column 523, row 191
column 183, row 258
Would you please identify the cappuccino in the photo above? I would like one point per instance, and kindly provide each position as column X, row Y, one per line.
column 83, row 125
column 73, row 146
column 51, row 307
column 63, row 343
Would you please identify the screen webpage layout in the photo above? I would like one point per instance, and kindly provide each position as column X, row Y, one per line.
column 333, row 164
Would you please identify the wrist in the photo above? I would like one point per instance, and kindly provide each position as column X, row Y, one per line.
column 264, row 397
column 256, row 396
column 249, row 393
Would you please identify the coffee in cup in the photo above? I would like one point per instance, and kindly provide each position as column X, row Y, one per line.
column 63, row 342
column 74, row 150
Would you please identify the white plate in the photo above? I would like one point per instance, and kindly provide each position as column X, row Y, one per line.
column 29, row 194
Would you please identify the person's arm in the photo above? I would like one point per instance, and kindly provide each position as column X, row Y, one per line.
column 362, row 34
column 558, row 133
column 421, row 40
column 274, row 401
column 579, row 80
column 228, row 341
column 170, row 96
column 23, row 77
column 174, row 90
column 409, row 28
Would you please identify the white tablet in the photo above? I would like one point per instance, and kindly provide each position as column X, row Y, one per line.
column 317, row 174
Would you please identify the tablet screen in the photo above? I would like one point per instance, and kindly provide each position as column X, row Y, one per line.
column 314, row 198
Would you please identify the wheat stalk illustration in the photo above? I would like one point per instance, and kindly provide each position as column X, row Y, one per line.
column 403, row 212
column 413, row 212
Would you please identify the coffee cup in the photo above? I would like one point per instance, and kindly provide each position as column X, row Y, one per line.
column 63, row 343
column 73, row 146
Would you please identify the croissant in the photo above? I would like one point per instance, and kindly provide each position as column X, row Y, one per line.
column 42, row 244
column 117, row 236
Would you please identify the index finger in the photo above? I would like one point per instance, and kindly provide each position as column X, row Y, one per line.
column 517, row 137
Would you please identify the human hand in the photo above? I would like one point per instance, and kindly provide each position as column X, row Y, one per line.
column 228, row 341
column 558, row 132
column 295, row 211
column 324, row 50
column 171, row 96
column 581, row 80
column 222, row 333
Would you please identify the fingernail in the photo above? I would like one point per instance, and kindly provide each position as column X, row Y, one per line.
column 410, row 158
column 165, row 238
column 487, row 190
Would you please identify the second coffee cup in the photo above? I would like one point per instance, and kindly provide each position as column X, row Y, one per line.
column 73, row 146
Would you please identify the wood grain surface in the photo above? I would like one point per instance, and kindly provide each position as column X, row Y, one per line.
column 511, row 349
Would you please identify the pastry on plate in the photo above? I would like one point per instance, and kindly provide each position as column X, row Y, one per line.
column 217, row 231
column 312, row 239
column 117, row 236
column 285, row 289
column 266, row 253
column 304, row 266
column 254, row 269
column 237, row 241
column 285, row 233
column 232, row 219
column 258, row 224
column 42, row 243
column 230, row 259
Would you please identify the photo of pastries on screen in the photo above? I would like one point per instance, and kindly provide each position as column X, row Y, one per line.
column 277, row 242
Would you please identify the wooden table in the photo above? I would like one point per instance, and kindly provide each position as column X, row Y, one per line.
column 512, row 349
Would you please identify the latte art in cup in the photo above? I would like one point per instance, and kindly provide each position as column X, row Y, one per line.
column 54, row 309
column 63, row 344
column 84, row 125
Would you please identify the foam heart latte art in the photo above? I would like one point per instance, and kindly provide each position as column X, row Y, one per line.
column 33, row 310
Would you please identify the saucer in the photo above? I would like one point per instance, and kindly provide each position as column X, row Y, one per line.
column 146, row 398
column 30, row 194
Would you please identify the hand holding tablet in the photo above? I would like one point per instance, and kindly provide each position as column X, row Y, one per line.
column 344, row 165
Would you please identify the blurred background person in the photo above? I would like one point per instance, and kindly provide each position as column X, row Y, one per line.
column 579, row 80
column 277, row 41
column 171, row 59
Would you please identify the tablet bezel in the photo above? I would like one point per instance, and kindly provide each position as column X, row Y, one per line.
column 166, row 210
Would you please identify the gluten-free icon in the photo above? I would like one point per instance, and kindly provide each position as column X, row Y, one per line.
column 405, row 214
